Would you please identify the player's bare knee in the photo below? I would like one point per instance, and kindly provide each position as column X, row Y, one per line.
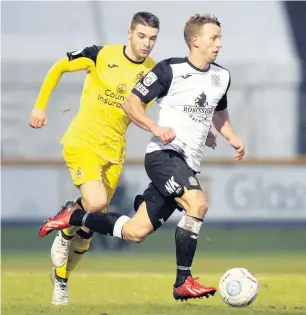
column 130, row 235
column 194, row 203
column 94, row 197
column 198, row 209
column 138, row 237
column 201, row 209
column 135, row 235
column 140, row 226
column 95, row 204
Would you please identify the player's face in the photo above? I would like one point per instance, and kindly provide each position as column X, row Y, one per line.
column 209, row 41
column 143, row 39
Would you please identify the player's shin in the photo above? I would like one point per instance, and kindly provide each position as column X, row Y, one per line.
column 79, row 246
column 186, row 236
column 109, row 223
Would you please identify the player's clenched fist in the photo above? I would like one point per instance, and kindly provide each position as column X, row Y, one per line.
column 38, row 118
column 239, row 147
column 166, row 134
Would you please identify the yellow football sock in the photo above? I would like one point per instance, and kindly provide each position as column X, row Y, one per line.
column 79, row 246
column 71, row 230
column 62, row 271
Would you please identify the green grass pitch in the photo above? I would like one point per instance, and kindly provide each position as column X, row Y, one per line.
column 140, row 284
column 139, row 281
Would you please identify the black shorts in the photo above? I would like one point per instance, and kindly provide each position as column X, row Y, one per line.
column 169, row 174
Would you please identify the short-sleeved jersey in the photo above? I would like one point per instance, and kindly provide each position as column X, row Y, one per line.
column 188, row 98
column 101, row 123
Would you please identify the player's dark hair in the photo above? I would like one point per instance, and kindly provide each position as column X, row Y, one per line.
column 145, row 18
column 195, row 22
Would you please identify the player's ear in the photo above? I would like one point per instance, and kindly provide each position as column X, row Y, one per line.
column 194, row 41
column 129, row 33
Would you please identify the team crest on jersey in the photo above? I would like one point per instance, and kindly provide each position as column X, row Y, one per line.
column 79, row 173
column 192, row 181
column 215, row 80
column 139, row 76
column 121, row 88
column 150, row 78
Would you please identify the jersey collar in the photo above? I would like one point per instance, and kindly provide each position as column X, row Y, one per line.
column 129, row 59
column 194, row 67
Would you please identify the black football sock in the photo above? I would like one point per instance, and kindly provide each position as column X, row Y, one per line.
column 186, row 236
column 77, row 216
column 84, row 235
column 79, row 202
column 109, row 223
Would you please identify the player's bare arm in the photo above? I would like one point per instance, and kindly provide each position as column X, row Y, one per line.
column 38, row 117
column 222, row 124
column 135, row 109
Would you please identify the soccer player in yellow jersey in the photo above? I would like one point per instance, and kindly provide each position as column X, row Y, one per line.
column 94, row 145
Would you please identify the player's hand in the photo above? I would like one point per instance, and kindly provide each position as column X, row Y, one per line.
column 38, row 118
column 211, row 140
column 238, row 145
column 166, row 134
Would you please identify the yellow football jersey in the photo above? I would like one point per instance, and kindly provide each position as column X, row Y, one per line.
column 101, row 123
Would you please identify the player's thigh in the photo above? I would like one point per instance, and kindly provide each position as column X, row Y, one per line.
column 174, row 178
column 152, row 211
column 111, row 176
column 85, row 170
column 139, row 226
column 158, row 207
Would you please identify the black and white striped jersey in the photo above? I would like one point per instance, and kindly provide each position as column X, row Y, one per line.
column 187, row 98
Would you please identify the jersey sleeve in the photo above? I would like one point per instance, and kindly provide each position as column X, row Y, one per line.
column 222, row 104
column 155, row 84
column 88, row 52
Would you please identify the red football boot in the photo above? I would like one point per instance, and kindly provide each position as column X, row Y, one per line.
column 60, row 221
column 191, row 289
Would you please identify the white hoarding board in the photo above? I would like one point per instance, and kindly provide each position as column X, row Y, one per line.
column 235, row 193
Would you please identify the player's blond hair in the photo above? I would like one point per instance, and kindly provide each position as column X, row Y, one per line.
column 194, row 24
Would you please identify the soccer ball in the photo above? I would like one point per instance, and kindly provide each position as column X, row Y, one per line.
column 238, row 287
